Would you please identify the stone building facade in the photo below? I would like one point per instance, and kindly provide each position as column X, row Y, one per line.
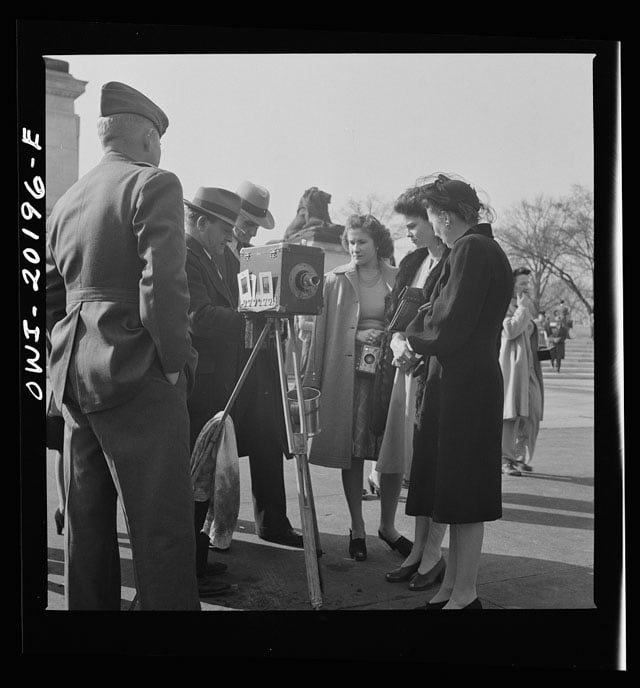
column 62, row 129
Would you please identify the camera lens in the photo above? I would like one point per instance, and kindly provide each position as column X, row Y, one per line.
column 369, row 358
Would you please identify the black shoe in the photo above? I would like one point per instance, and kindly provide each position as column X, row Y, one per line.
column 215, row 568
column 59, row 519
column 401, row 545
column 287, row 537
column 209, row 588
column 431, row 606
column 425, row 580
column 476, row 604
column 402, row 574
column 357, row 548
column 509, row 469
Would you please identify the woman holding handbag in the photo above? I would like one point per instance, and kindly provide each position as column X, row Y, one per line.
column 342, row 361
column 418, row 271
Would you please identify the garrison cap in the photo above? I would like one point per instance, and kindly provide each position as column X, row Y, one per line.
column 117, row 98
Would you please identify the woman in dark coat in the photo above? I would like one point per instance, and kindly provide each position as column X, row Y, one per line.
column 557, row 334
column 456, row 470
column 423, row 562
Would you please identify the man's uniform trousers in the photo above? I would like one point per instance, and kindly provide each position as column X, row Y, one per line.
column 137, row 451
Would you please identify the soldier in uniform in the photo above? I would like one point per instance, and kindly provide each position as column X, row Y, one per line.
column 122, row 364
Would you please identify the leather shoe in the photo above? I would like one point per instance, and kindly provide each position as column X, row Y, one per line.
column 357, row 548
column 509, row 469
column 215, row 568
column 522, row 466
column 425, row 580
column 476, row 604
column 402, row 574
column 431, row 606
column 209, row 588
column 288, row 537
column 401, row 545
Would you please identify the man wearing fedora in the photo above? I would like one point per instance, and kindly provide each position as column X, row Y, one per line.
column 122, row 364
column 216, row 328
column 259, row 413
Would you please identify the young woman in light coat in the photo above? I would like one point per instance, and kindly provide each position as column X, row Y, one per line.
column 352, row 317
column 522, row 376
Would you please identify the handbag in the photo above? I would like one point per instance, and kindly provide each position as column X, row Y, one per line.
column 544, row 354
column 382, row 387
column 409, row 301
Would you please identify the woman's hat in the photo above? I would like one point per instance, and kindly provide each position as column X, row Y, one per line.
column 255, row 204
column 220, row 203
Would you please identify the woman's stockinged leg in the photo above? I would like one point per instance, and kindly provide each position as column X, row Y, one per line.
column 390, row 488
column 448, row 582
column 352, row 485
column 59, row 468
column 419, row 541
column 433, row 548
column 468, row 548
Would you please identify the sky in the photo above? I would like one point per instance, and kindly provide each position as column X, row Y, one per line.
column 515, row 126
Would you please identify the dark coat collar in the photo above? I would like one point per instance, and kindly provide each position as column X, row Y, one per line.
column 483, row 228
column 196, row 248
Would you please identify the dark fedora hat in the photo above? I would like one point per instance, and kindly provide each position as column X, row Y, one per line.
column 219, row 203
column 118, row 98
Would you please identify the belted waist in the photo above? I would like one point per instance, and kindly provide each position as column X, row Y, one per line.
column 102, row 294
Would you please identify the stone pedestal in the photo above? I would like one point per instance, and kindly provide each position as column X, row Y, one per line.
column 334, row 254
column 62, row 129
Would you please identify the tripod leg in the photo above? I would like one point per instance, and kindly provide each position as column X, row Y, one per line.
column 298, row 447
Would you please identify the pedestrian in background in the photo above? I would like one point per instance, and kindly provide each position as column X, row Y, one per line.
column 557, row 334
column 522, row 376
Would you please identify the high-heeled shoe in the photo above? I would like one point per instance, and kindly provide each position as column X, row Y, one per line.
column 357, row 548
column 59, row 519
column 476, row 604
column 404, row 573
column 424, row 580
column 431, row 606
column 401, row 545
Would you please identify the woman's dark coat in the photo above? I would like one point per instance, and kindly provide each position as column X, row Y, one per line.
column 456, row 469
column 407, row 270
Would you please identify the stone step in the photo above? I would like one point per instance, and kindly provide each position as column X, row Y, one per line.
column 573, row 365
column 552, row 373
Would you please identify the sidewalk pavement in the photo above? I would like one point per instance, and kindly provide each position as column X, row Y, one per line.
column 545, row 605
column 540, row 555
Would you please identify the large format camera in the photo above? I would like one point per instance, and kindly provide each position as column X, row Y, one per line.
column 285, row 279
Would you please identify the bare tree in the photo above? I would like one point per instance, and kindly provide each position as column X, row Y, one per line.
column 529, row 235
column 380, row 209
column 576, row 265
column 554, row 239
